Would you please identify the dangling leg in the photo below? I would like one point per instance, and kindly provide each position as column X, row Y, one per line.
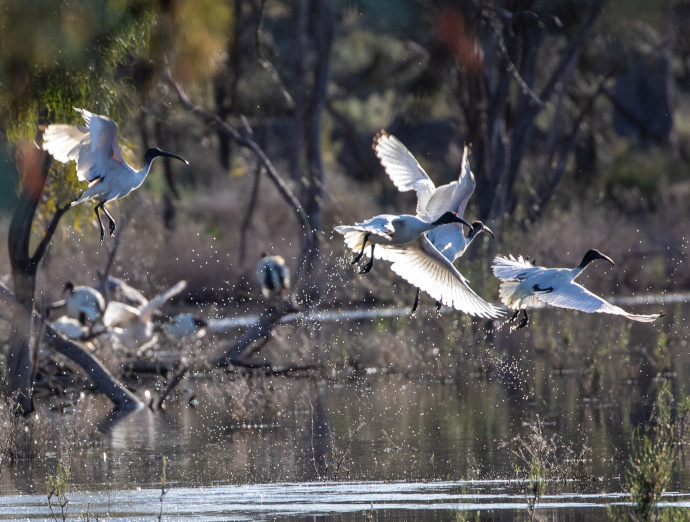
column 110, row 218
column 98, row 215
column 524, row 321
column 415, row 304
column 361, row 252
column 439, row 304
column 366, row 268
column 514, row 316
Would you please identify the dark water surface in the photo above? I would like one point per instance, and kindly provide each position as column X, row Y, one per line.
column 426, row 449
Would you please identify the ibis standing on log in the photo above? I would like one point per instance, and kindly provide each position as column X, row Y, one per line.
column 273, row 276
column 99, row 161
column 524, row 285
column 83, row 303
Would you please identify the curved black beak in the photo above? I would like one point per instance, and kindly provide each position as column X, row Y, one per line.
column 171, row 155
column 488, row 230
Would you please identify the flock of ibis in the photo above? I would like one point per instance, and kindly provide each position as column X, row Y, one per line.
column 421, row 248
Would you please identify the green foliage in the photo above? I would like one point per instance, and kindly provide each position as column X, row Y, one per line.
column 58, row 486
column 59, row 55
column 653, row 459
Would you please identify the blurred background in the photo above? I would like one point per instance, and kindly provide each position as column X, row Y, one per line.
column 577, row 118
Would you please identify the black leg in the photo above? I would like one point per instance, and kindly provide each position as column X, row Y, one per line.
column 111, row 224
column 524, row 322
column 439, row 304
column 361, row 252
column 514, row 316
column 367, row 268
column 98, row 215
column 415, row 304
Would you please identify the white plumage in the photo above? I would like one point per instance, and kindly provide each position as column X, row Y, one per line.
column 526, row 286
column 402, row 241
column 273, row 276
column 389, row 230
column 184, row 325
column 99, row 160
column 131, row 326
column 422, row 265
column 83, row 303
column 406, row 174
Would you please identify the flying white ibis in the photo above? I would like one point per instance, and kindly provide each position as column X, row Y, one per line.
column 524, row 285
column 402, row 241
column 99, row 161
column 83, row 303
column 273, row 276
column 407, row 174
column 131, row 326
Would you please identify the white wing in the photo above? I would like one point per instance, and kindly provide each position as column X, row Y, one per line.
column 577, row 297
column 64, row 142
column 128, row 292
column 465, row 187
column 403, row 169
column 120, row 315
column 422, row 265
column 450, row 240
column 511, row 269
column 95, row 147
column 154, row 304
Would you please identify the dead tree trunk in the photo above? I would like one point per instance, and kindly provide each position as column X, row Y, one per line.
column 33, row 165
column 500, row 122
column 323, row 36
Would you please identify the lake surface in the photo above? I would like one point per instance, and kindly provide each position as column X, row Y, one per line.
column 424, row 449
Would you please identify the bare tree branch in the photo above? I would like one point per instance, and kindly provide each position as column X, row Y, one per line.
column 105, row 383
column 208, row 117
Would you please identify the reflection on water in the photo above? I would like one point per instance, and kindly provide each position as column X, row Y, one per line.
column 432, row 446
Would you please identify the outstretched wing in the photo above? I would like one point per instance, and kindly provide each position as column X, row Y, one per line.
column 355, row 234
column 425, row 267
column 154, row 304
column 119, row 315
column 403, row 169
column 466, row 185
column 577, row 297
column 511, row 269
column 95, row 147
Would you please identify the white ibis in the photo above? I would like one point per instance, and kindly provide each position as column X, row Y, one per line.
column 273, row 276
column 407, row 174
column 389, row 230
column 83, row 303
column 402, row 241
column 123, row 292
column 99, row 161
column 524, row 285
column 70, row 328
column 131, row 326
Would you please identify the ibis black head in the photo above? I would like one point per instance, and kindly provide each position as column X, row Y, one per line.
column 593, row 255
column 478, row 227
column 450, row 217
column 200, row 323
column 153, row 153
column 69, row 287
